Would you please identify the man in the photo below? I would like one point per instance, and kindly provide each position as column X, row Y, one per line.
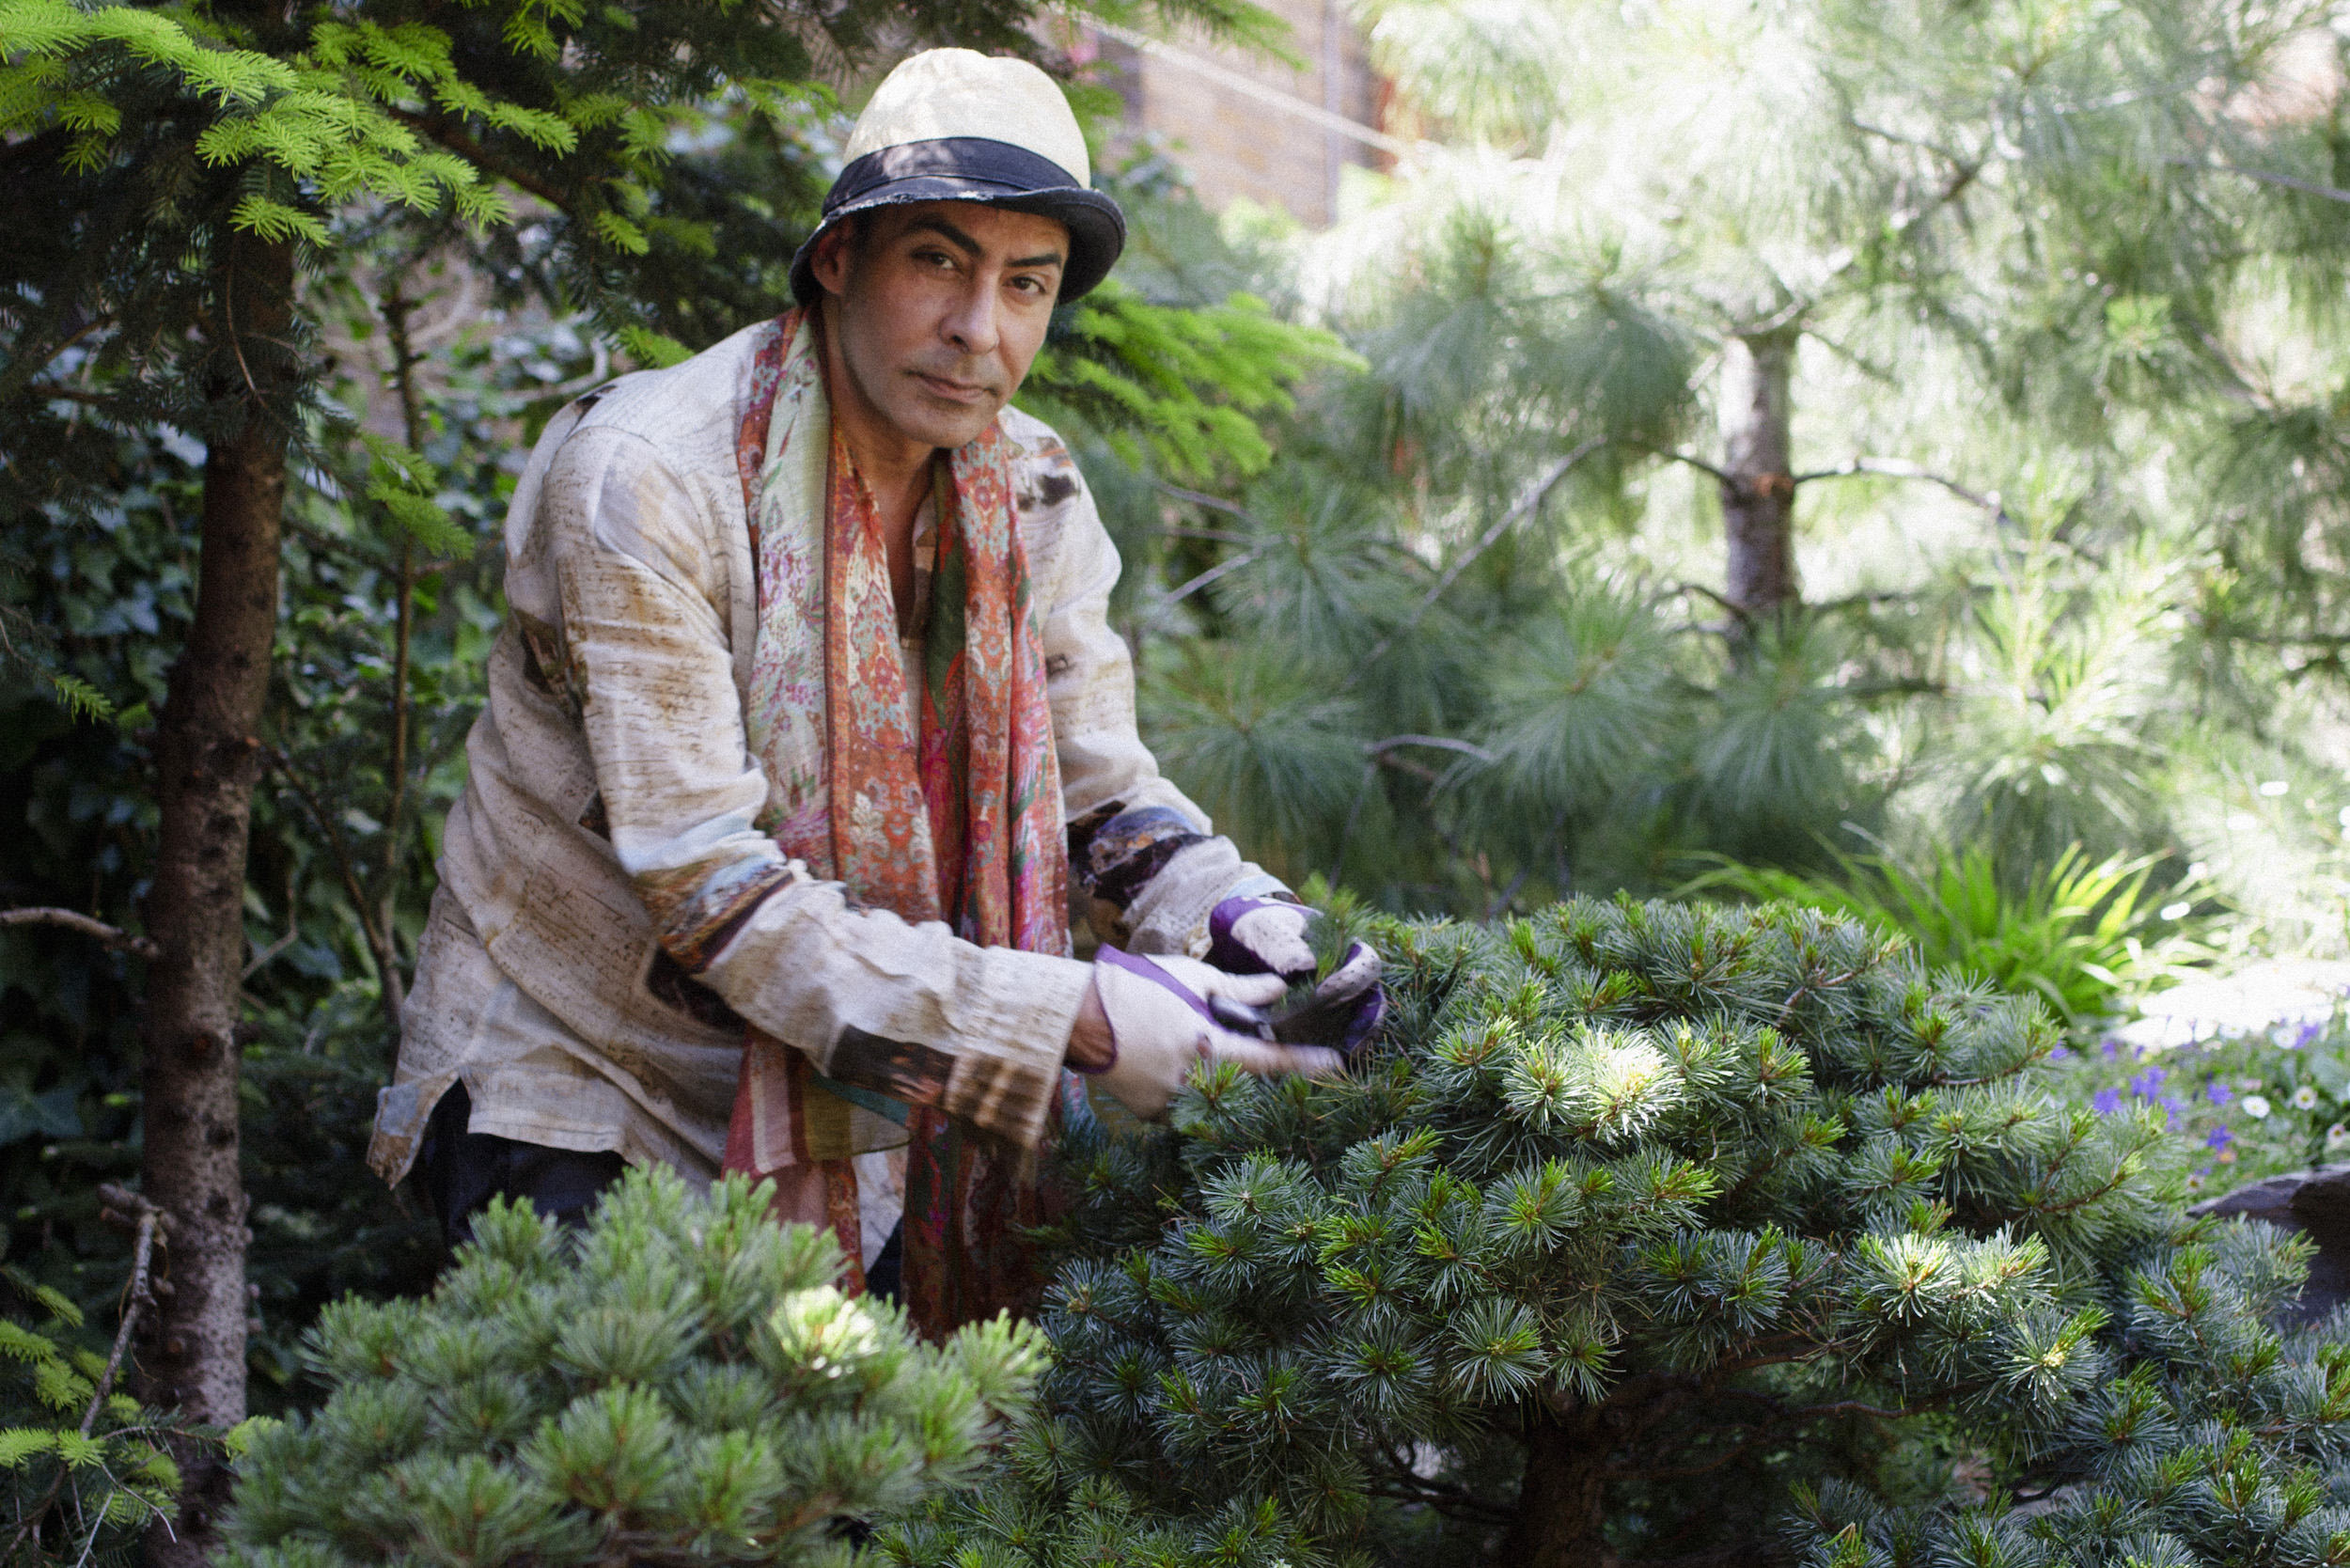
column 804, row 713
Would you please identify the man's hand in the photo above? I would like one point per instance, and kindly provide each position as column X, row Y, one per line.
column 1262, row 936
column 1157, row 1016
column 1267, row 936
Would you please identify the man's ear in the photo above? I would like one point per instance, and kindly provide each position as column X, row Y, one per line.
column 829, row 265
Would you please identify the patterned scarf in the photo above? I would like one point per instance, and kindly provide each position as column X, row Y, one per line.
column 952, row 816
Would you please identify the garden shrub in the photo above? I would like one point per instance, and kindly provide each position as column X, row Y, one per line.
column 1665, row 1233
column 681, row 1383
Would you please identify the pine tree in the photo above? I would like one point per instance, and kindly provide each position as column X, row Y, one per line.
column 680, row 1383
column 1666, row 1232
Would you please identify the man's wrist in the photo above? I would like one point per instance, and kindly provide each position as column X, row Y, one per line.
column 1091, row 1049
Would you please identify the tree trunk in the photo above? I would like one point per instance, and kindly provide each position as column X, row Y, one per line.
column 1758, row 496
column 1563, row 1502
column 208, row 757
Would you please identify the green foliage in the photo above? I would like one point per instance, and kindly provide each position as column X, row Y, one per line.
column 2073, row 937
column 1725, row 1205
column 82, row 1476
column 681, row 1381
column 1183, row 388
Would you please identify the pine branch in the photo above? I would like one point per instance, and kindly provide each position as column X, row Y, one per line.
column 1524, row 507
column 1898, row 468
column 2266, row 177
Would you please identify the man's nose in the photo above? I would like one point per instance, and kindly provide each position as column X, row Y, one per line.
column 971, row 325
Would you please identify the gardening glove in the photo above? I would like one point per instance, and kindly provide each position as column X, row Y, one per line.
column 1255, row 936
column 1262, row 936
column 1163, row 1017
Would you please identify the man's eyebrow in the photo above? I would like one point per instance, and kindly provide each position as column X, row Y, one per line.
column 957, row 237
column 941, row 226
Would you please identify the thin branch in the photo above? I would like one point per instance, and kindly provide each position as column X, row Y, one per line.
column 1897, row 468
column 1523, row 506
column 137, row 1299
column 260, row 960
column 1214, row 573
column 1694, row 461
column 112, row 936
column 1213, row 503
column 379, row 944
column 1443, row 742
column 20, row 375
column 405, row 359
column 1731, row 606
column 2307, row 187
column 46, row 390
column 1685, row 1472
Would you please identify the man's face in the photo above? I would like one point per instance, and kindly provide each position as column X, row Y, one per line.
column 941, row 306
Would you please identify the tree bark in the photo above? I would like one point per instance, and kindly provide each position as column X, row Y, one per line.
column 1563, row 1502
column 208, row 757
column 1759, row 491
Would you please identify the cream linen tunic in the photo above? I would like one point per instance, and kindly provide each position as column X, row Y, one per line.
column 611, row 756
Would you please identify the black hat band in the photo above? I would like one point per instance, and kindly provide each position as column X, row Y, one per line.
column 978, row 159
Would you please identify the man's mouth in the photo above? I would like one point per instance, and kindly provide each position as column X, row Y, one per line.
column 954, row 391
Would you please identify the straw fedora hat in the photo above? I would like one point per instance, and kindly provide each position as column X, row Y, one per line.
column 956, row 125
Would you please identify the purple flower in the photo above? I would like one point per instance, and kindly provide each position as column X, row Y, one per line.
column 2172, row 1104
column 2308, row 1032
column 2219, row 1138
column 2218, row 1093
column 2113, row 1049
column 2060, row 1053
column 2148, row 1084
column 2107, row 1101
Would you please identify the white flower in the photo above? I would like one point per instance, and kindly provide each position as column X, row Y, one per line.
column 2305, row 1098
column 2256, row 1106
column 2336, row 1136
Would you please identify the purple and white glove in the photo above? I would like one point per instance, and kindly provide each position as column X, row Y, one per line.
column 1262, row 936
column 1267, row 936
column 1163, row 1014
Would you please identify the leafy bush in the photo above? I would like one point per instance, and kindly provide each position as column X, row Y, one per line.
column 681, row 1382
column 2072, row 935
column 1661, row 1231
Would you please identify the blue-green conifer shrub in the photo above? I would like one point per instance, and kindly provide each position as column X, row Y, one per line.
column 680, row 1383
column 1664, row 1233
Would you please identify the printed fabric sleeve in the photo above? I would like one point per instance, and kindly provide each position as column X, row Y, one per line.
column 645, row 654
column 1148, row 862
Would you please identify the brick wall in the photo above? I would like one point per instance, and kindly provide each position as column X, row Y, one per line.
column 1236, row 143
